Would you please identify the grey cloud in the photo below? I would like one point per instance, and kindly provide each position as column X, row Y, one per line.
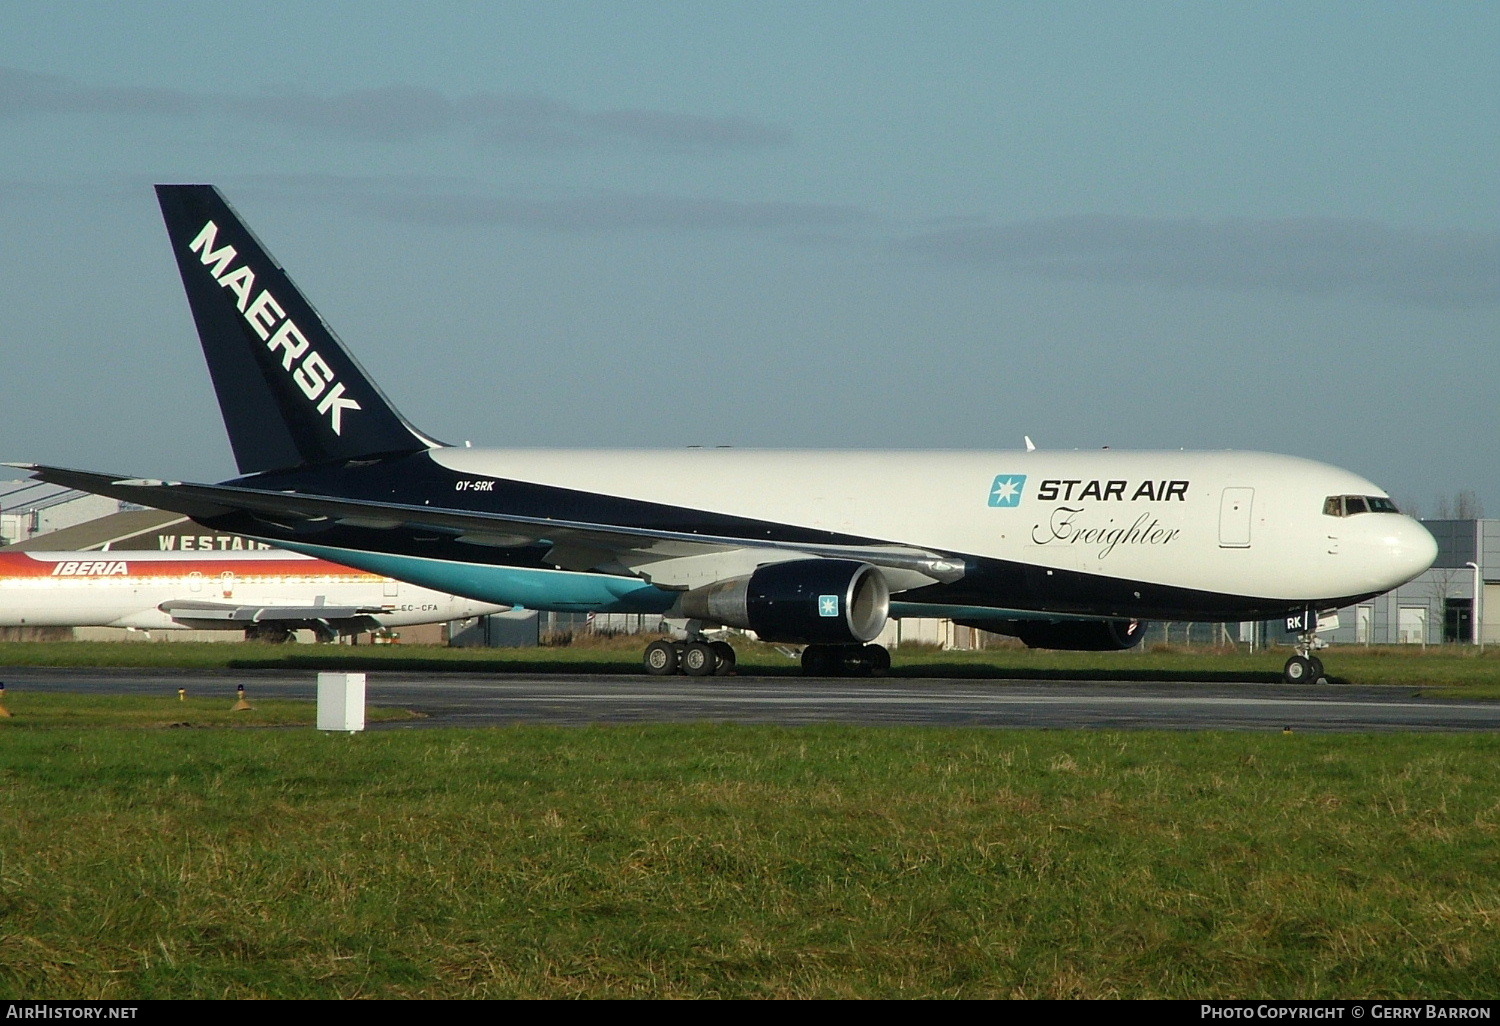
column 608, row 212
column 401, row 113
column 660, row 128
column 396, row 112
column 524, row 119
column 501, row 119
column 23, row 92
column 1295, row 255
column 457, row 201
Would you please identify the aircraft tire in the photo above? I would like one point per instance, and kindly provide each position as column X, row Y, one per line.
column 819, row 661
column 726, row 657
column 699, row 659
column 661, row 658
column 878, row 658
column 852, row 661
column 269, row 633
column 1317, row 668
column 1298, row 670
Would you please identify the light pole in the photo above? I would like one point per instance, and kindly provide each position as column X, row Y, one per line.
column 1475, row 620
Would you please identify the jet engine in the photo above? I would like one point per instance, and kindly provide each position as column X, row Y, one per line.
column 802, row 601
column 1080, row 635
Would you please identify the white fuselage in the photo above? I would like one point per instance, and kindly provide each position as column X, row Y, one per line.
column 1236, row 523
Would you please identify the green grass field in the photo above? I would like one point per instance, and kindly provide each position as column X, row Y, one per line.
column 731, row 861
column 747, row 862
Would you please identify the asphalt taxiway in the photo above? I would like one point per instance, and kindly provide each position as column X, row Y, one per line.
column 472, row 700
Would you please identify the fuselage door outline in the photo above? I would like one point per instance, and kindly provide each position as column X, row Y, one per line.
column 1234, row 518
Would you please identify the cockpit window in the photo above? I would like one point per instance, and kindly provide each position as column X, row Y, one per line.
column 1350, row 505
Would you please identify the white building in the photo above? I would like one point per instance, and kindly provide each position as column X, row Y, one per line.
column 30, row 508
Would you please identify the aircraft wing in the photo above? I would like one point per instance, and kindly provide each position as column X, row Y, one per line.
column 229, row 612
column 668, row 559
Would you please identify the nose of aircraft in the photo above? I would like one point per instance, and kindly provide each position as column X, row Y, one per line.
column 1402, row 547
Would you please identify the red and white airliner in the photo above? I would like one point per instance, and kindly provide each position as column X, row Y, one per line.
column 265, row 593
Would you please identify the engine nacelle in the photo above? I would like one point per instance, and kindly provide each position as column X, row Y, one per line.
column 803, row 601
column 1080, row 635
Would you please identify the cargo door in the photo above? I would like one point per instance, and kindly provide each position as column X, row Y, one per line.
column 1234, row 518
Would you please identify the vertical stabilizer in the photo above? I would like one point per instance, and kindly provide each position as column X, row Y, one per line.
column 291, row 394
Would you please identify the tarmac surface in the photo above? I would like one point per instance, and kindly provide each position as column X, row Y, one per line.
column 473, row 700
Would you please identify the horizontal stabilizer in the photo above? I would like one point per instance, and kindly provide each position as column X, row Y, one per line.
column 116, row 486
column 632, row 549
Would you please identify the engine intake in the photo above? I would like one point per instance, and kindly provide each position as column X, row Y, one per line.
column 802, row 601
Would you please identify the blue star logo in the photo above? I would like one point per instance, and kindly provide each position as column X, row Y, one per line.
column 828, row 605
column 1006, row 491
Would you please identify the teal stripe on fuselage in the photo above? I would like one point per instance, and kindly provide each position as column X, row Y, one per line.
column 560, row 590
column 569, row 592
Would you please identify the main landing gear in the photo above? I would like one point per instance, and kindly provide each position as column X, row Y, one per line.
column 699, row 657
column 696, row 658
column 845, row 660
column 268, row 632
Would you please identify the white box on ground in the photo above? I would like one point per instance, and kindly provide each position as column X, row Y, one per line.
column 341, row 701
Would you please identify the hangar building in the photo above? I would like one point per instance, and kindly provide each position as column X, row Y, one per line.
column 30, row 508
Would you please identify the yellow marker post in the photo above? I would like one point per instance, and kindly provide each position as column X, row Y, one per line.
column 241, row 705
column 4, row 712
column 182, row 694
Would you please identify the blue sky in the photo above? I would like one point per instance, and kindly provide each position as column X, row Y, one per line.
column 1249, row 226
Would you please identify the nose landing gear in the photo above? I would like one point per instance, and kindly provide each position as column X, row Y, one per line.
column 1304, row 667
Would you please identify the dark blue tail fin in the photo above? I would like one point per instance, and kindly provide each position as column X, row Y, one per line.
column 291, row 394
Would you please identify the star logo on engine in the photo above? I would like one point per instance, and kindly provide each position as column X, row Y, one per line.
column 828, row 605
column 1006, row 491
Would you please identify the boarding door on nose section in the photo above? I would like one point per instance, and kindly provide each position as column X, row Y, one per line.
column 1234, row 518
